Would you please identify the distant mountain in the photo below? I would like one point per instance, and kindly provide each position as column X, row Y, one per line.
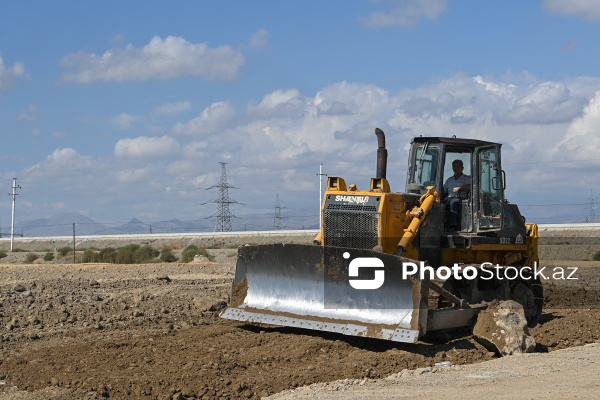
column 62, row 225
column 131, row 227
column 57, row 225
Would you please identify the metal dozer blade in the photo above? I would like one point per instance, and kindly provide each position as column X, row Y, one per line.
column 347, row 291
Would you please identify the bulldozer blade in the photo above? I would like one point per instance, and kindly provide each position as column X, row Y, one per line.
column 315, row 287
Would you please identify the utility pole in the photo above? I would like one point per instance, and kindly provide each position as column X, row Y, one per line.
column 321, row 175
column 74, row 255
column 223, row 223
column 14, row 196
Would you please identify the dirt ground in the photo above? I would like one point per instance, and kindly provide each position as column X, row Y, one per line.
column 152, row 331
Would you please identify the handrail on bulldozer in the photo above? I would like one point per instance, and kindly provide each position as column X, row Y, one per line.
column 417, row 216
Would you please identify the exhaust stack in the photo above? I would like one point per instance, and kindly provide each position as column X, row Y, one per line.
column 381, row 154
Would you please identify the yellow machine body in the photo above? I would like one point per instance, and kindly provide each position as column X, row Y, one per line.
column 352, row 280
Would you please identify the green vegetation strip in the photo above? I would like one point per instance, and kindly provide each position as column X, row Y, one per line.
column 130, row 254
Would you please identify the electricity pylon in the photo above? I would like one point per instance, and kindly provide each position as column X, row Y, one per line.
column 277, row 219
column 223, row 215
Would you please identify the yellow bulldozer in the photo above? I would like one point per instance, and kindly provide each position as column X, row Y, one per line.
column 396, row 266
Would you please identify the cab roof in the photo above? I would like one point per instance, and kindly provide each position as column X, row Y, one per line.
column 452, row 141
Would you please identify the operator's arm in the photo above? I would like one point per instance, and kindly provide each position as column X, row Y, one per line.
column 466, row 186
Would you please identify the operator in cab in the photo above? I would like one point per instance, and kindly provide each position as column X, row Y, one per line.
column 456, row 189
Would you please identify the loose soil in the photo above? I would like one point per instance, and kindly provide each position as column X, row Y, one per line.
column 152, row 331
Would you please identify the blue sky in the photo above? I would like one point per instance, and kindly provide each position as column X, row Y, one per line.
column 124, row 109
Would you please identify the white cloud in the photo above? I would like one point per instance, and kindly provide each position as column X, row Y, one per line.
column 59, row 205
column 196, row 150
column 279, row 140
column 169, row 58
column 8, row 75
column 545, row 103
column 66, row 157
column 124, row 121
column 173, row 108
column 135, row 174
column 502, row 90
column 581, row 140
column 30, row 114
column 352, row 98
column 462, row 99
column 283, row 103
column 147, row 148
column 212, row 120
column 259, row 38
column 405, row 13
column 61, row 164
column 286, row 129
column 584, row 9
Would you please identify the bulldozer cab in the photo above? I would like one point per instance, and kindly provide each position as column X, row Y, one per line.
column 430, row 164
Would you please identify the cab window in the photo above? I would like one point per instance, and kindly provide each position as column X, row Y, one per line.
column 491, row 189
column 426, row 161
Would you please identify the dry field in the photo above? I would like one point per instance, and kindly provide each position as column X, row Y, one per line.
column 92, row 331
